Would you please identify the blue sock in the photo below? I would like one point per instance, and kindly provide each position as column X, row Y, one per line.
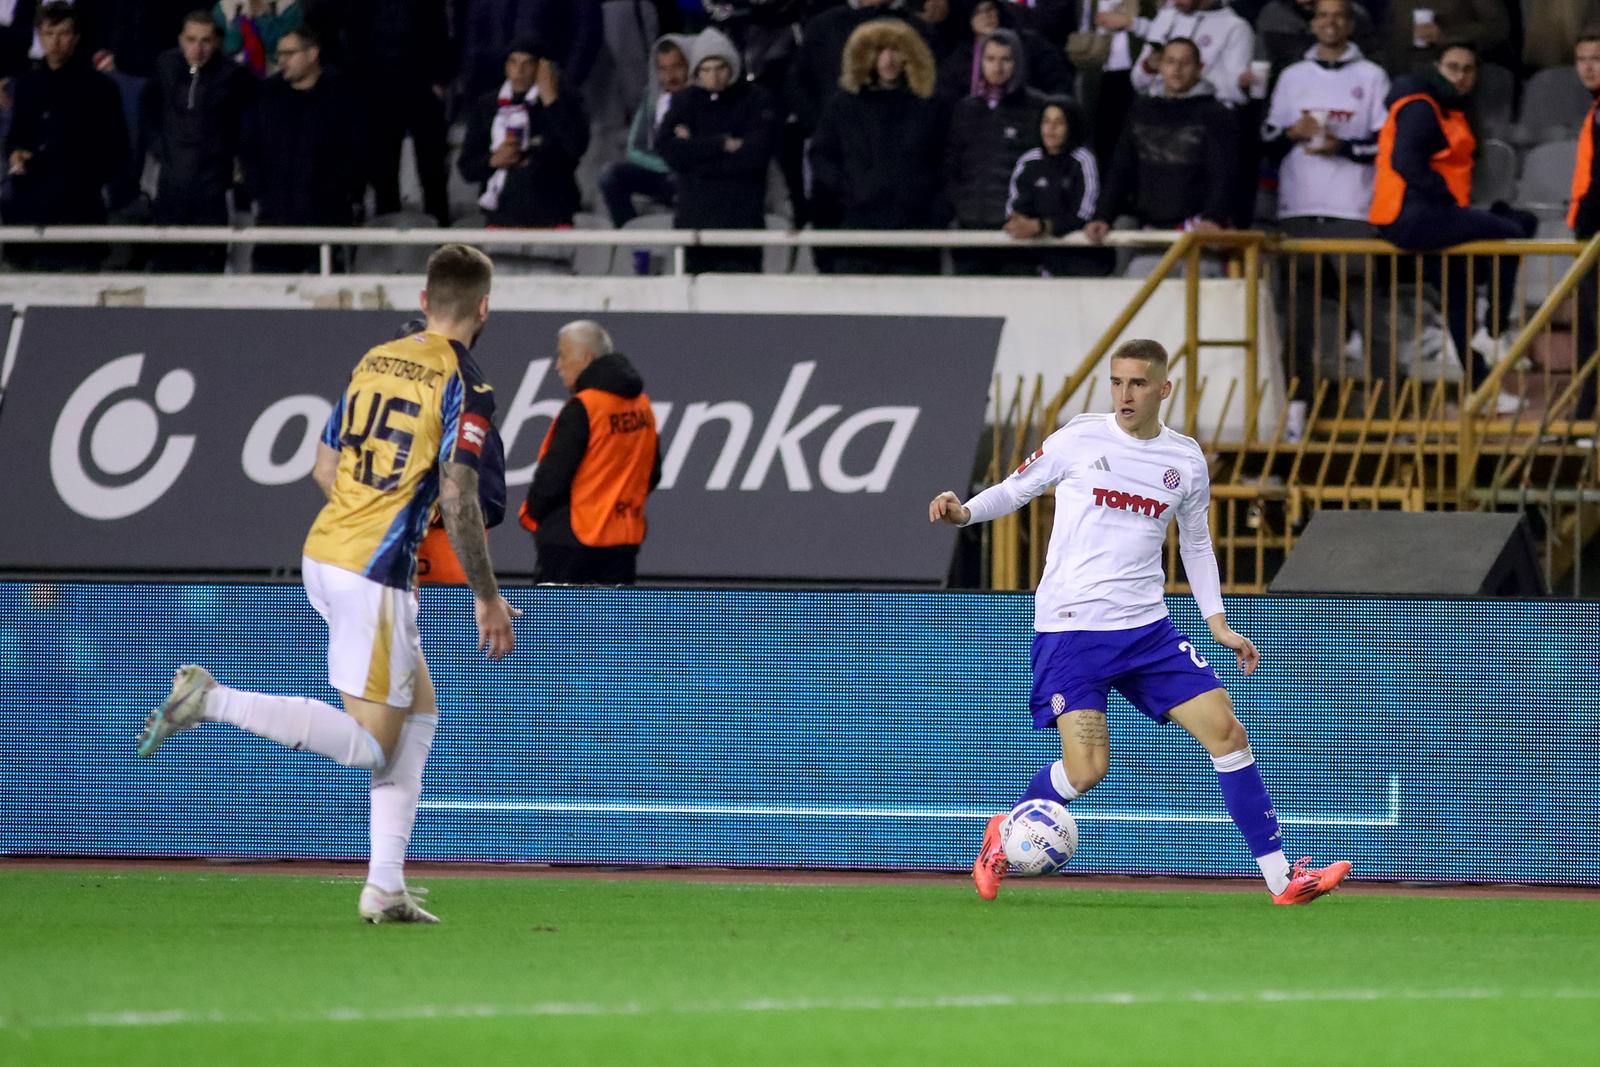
column 1250, row 805
column 1050, row 783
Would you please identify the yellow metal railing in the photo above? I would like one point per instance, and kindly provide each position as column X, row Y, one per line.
column 1399, row 435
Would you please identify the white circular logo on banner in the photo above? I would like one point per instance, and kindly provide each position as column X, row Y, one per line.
column 121, row 437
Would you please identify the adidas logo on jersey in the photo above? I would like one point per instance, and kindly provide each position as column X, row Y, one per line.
column 1113, row 498
column 1101, row 464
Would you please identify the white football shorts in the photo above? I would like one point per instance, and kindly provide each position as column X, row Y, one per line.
column 374, row 646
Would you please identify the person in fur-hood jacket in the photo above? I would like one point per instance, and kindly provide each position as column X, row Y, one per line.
column 878, row 148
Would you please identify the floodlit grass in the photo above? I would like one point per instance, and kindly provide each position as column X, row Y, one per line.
column 137, row 966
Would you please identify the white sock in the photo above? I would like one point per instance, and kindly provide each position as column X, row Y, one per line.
column 396, row 789
column 299, row 723
column 1058, row 779
column 1275, row 869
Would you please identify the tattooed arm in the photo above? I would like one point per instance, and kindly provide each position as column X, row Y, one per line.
column 463, row 523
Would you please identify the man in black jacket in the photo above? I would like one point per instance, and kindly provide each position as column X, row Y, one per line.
column 66, row 142
column 1174, row 166
column 401, row 58
column 524, row 142
column 300, row 152
column 989, row 132
column 194, row 110
column 597, row 465
column 718, row 137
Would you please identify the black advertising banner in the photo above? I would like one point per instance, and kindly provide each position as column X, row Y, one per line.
column 794, row 446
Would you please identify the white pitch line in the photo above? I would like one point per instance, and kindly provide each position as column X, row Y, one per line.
column 540, row 1009
column 1082, row 814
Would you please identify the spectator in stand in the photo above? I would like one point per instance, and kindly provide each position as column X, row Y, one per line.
column 1551, row 30
column 300, row 152
column 718, row 137
column 400, row 59
column 1410, row 46
column 877, row 152
column 1109, row 39
column 252, row 29
column 644, row 172
column 1420, row 194
column 1583, row 215
column 1174, row 166
column 569, row 32
column 942, row 27
column 814, row 77
column 1224, row 40
column 129, row 37
column 1284, row 32
column 65, row 144
column 1323, row 125
column 1054, row 191
column 961, row 73
column 523, row 143
column 194, row 109
column 989, row 132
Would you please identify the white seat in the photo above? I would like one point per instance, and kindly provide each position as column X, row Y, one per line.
column 395, row 259
column 1495, row 175
column 1554, row 104
column 777, row 259
column 622, row 262
column 1495, row 93
column 591, row 260
column 1546, row 181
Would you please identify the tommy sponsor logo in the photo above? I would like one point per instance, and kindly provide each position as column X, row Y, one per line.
column 1115, row 498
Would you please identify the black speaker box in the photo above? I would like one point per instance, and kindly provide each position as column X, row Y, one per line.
column 1430, row 553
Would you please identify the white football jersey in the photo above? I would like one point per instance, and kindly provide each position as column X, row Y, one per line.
column 1115, row 496
column 1352, row 92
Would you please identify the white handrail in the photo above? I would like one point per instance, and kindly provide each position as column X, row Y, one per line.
column 494, row 238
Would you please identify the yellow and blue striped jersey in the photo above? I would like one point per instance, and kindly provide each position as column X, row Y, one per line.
column 411, row 405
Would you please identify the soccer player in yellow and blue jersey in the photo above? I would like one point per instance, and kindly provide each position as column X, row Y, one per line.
column 406, row 438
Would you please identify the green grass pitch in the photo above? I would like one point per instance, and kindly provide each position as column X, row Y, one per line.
column 137, row 966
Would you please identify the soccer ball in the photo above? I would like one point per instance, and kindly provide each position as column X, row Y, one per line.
column 1040, row 836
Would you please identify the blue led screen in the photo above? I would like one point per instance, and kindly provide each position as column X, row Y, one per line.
column 1433, row 740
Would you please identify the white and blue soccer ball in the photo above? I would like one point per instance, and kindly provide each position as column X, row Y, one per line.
column 1040, row 836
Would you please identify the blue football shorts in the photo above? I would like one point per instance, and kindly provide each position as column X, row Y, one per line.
column 1155, row 666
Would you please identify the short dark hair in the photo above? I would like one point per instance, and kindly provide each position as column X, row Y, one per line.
column 308, row 36
column 667, row 44
column 1465, row 46
column 1152, row 352
column 1183, row 40
column 54, row 14
column 1587, row 35
column 458, row 278
column 198, row 16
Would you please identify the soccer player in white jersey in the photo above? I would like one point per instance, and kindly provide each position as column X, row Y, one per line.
column 405, row 438
column 1101, row 620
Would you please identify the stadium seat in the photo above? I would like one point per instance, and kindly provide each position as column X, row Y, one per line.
column 395, row 259
column 1495, row 96
column 591, row 260
column 1547, row 177
column 1495, row 175
column 622, row 262
column 776, row 259
column 1553, row 106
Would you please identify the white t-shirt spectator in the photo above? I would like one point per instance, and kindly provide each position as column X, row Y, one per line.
column 1352, row 91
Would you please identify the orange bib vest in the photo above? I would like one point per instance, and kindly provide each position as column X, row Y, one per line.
column 608, row 492
column 436, row 560
column 1453, row 162
column 1585, row 168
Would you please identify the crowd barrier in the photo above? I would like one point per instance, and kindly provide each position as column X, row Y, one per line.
column 1446, row 741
